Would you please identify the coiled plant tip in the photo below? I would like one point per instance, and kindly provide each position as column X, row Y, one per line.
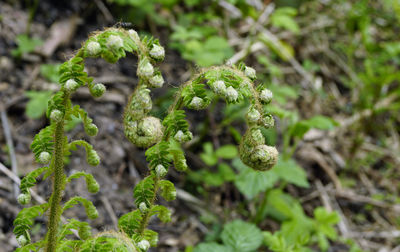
column 160, row 137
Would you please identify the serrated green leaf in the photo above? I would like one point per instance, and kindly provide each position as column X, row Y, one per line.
column 251, row 182
column 241, row 236
column 37, row 104
column 25, row 45
column 212, row 247
column 50, row 72
column 291, row 172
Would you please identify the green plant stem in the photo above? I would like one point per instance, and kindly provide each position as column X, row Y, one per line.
column 261, row 209
column 59, row 180
column 58, row 184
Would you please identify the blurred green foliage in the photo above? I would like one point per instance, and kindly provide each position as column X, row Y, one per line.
column 25, row 45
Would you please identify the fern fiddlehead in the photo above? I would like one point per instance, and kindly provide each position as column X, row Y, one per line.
column 51, row 145
column 234, row 84
column 162, row 138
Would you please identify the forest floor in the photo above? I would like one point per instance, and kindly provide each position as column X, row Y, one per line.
column 123, row 165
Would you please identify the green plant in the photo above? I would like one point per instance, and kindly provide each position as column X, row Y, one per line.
column 25, row 45
column 161, row 139
column 37, row 104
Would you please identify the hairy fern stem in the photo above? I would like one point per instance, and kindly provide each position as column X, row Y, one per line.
column 58, row 185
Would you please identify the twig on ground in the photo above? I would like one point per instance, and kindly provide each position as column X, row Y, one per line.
column 314, row 155
column 365, row 199
column 10, row 144
column 103, row 8
column 35, row 196
column 110, row 211
column 332, row 205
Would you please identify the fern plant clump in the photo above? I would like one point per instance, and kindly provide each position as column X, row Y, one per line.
column 160, row 138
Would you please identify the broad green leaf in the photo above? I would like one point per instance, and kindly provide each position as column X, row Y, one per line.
column 208, row 156
column 211, row 247
column 213, row 179
column 226, row 172
column 50, row 72
column 242, row 236
column 283, row 17
column 321, row 122
column 25, row 45
column 228, row 151
column 37, row 104
column 299, row 129
column 291, row 172
column 251, row 182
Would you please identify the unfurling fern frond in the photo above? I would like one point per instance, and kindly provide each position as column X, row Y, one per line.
column 91, row 183
column 43, row 142
column 90, row 209
column 24, row 221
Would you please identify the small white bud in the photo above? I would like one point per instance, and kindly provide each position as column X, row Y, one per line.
column 56, row 115
column 22, row 241
column 179, row 136
column 157, row 52
column 145, row 69
column 93, row 48
column 133, row 35
column 115, row 42
column 142, row 207
column 231, row 94
column 253, row 115
column 196, row 103
column 149, row 126
column 250, row 72
column 160, row 171
column 156, row 81
column 24, row 198
column 144, row 245
column 219, row 87
column 44, row 157
column 266, row 96
column 71, row 85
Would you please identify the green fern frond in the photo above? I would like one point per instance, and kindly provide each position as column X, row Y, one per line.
column 158, row 154
column 91, row 183
column 163, row 213
column 91, row 155
column 129, row 223
column 144, row 191
column 90, row 209
column 43, row 142
column 168, row 191
column 30, row 179
column 25, row 219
